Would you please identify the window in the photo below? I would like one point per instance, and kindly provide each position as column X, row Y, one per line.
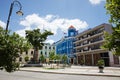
column 53, row 47
column 41, row 53
column 26, row 52
column 20, row 59
column 49, row 47
column 31, row 52
column 45, row 47
column 72, row 34
column 45, row 53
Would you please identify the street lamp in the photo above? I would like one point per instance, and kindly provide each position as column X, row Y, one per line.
column 20, row 13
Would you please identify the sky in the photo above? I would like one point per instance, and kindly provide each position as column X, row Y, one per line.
column 53, row 15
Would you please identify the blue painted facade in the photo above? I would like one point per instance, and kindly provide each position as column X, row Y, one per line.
column 65, row 45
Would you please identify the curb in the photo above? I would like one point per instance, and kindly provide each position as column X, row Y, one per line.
column 72, row 73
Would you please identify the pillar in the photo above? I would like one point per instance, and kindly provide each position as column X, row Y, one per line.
column 92, row 60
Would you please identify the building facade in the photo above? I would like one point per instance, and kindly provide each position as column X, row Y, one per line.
column 45, row 51
column 65, row 45
column 28, row 54
column 47, row 48
column 88, row 47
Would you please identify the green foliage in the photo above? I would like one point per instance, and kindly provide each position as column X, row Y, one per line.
column 42, row 58
column 113, row 8
column 100, row 62
column 26, row 58
column 113, row 40
column 52, row 55
column 10, row 45
column 108, row 40
column 17, row 64
column 58, row 57
column 64, row 58
column 82, row 62
column 36, row 38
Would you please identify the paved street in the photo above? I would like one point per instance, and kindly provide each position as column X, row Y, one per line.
column 21, row 75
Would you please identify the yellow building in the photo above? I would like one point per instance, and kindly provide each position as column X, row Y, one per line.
column 22, row 56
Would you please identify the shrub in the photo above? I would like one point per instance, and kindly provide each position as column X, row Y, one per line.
column 100, row 62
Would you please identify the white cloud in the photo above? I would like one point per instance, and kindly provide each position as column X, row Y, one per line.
column 2, row 24
column 50, row 41
column 94, row 2
column 50, row 22
column 22, row 31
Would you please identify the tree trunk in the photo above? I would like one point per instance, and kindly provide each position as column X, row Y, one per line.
column 35, row 56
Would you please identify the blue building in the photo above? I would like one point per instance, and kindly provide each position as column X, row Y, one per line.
column 66, row 46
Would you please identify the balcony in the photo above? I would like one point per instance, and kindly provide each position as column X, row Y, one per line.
column 95, row 40
column 98, row 42
column 85, row 36
column 96, row 32
column 85, row 50
column 88, row 38
column 92, row 51
column 86, row 43
column 95, row 48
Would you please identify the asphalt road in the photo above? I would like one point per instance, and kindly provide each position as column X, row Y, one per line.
column 21, row 75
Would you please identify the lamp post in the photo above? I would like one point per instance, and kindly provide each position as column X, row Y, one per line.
column 19, row 12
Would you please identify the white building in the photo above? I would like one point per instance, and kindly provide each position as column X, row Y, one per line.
column 47, row 48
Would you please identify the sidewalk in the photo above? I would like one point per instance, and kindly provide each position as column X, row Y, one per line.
column 77, row 70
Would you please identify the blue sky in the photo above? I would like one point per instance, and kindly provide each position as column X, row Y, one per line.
column 54, row 15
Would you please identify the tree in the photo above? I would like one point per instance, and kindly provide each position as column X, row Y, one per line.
column 113, row 8
column 111, row 43
column 64, row 58
column 58, row 57
column 113, row 40
column 36, row 38
column 52, row 55
column 42, row 58
column 10, row 46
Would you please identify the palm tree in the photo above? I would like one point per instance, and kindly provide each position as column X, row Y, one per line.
column 36, row 38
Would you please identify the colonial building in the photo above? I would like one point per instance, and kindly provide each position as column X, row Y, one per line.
column 28, row 54
column 47, row 48
column 65, row 45
column 45, row 51
column 88, row 46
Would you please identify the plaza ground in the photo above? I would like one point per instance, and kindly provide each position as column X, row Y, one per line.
column 77, row 70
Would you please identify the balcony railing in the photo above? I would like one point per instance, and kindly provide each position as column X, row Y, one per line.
column 88, row 38
column 98, row 39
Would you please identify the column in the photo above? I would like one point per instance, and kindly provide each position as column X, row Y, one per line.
column 77, row 59
column 92, row 60
column 84, row 59
column 111, row 58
